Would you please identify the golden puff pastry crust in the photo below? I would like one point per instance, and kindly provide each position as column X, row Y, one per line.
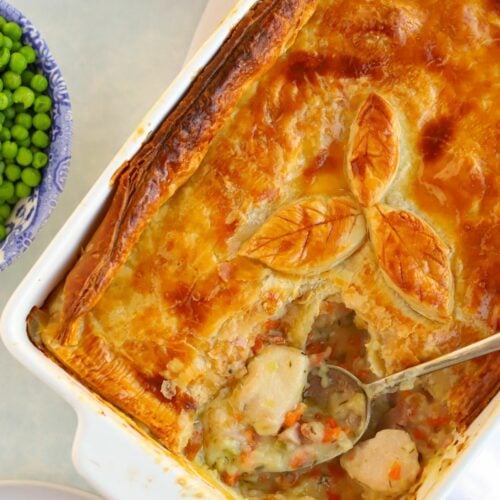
column 374, row 150
column 328, row 149
column 311, row 235
column 413, row 259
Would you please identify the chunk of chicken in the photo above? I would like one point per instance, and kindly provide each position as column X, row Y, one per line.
column 387, row 463
column 272, row 387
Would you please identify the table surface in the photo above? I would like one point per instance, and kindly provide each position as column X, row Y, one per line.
column 117, row 58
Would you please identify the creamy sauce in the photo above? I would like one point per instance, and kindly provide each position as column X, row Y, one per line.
column 242, row 453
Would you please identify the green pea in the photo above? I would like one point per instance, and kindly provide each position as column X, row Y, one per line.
column 42, row 104
column 8, row 93
column 4, row 101
column 13, row 200
column 12, row 30
column 42, row 121
column 3, row 232
column 1, row 84
column 2, row 118
column 39, row 83
column 6, row 190
column 9, row 150
column 16, row 46
column 24, row 119
column 22, row 189
column 40, row 159
column 40, row 139
column 31, row 176
column 13, row 172
column 4, row 56
column 28, row 53
column 24, row 157
column 17, row 63
column 19, row 133
column 26, row 77
column 8, row 122
column 7, row 43
column 1, row 39
column 25, row 142
column 4, row 211
column 2, row 167
column 2, row 22
column 11, row 80
column 25, row 96
column 5, row 134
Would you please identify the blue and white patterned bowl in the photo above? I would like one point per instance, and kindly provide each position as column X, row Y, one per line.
column 31, row 213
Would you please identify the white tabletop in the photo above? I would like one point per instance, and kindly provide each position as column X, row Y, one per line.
column 117, row 56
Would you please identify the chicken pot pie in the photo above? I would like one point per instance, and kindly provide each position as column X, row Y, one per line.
column 325, row 191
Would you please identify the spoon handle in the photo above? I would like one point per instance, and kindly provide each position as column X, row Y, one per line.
column 394, row 381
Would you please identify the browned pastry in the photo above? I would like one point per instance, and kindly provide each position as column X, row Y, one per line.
column 330, row 149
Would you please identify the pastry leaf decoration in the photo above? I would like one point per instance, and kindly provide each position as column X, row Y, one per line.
column 373, row 150
column 314, row 234
column 413, row 260
column 310, row 235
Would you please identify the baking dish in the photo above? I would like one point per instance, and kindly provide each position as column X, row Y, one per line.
column 108, row 451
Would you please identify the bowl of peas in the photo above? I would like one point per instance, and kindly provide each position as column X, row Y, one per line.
column 35, row 133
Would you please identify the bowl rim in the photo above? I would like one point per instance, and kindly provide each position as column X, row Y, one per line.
column 34, row 211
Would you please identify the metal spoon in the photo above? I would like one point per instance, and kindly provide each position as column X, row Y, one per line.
column 341, row 382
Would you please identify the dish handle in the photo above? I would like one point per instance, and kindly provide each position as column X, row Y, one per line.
column 105, row 453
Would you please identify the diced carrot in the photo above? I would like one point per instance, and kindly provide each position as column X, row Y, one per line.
column 419, row 434
column 439, row 421
column 230, row 479
column 193, row 446
column 364, row 374
column 315, row 347
column 331, row 434
column 395, row 471
column 258, row 345
column 293, row 416
column 299, row 460
column 272, row 324
column 262, row 340
column 330, row 422
column 332, row 431
column 422, row 436
column 247, row 457
column 250, row 437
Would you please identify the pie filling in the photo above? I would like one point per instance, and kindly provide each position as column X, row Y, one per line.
column 263, row 432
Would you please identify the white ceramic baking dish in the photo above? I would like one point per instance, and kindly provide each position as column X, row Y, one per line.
column 116, row 458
